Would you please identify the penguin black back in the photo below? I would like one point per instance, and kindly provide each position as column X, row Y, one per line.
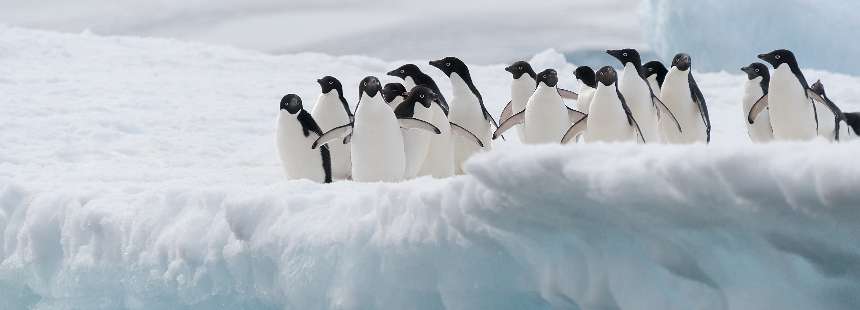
column 758, row 69
column 392, row 90
column 655, row 67
column 519, row 68
column 853, row 120
column 586, row 75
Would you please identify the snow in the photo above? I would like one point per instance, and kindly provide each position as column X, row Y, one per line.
column 725, row 35
column 141, row 173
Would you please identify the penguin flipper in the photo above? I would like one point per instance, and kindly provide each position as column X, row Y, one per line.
column 756, row 108
column 347, row 139
column 465, row 133
column 659, row 103
column 334, row 133
column 506, row 112
column 699, row 100
column 509, row 123
column 566, row 94
column 575, row 115
column 414, row 123
column 575, row 130
column 638, row 131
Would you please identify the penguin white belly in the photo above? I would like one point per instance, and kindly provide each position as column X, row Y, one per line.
column 465, row 110
column 294, row 149
column 439, row 162
column 583, row 103
column 377, row 144
column 826, row 122
column 638, row 97
column 396, row 102
column 677, row 97
column 408, row 83
column 328, row 113
column 760, row 131
column 790, row 110
column 607, row 121
column 655, row 86
column 546, row 119
column 521, row 90
column 417, row 142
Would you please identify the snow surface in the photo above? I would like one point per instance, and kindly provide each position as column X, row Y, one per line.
column 728, row 34
column 141, row 173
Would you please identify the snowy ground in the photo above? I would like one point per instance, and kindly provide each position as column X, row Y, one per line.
column 141, row 173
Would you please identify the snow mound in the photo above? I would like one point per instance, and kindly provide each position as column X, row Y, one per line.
column 725, row 35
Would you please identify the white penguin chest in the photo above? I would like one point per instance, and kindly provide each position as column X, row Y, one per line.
column 521, row 90
column 607, row 120
column 328, row 111
column 546, row 116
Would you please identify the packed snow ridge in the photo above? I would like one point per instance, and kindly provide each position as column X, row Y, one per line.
column 141, row 173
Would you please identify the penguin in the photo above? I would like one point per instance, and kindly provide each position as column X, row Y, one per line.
column 655, row 73
column 610, row 120
column 839, row 124
column 545, row 117
column 522, row 87
column 683, row 96
column 467, row 109
column 793, row 115
column 438, row 161
column 393, row 94
column 641, row 99
column 296, row 132
column 755, row 87
column 377, row 143
column 416, row 143
column 332, row 110
column 413, row 76
column 587, row 85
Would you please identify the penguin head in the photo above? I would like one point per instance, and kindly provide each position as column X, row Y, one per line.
column 329, row 83
column 392, row 91
column 607, row 76
column 654, row 67
column 818, row 88
column 370, row 86
column 450, row 65
column 548, row 77
column 421, row 94
column 755, row 70
column 627, row 55
column 405, row 71
column 682, row 61
column 291, row 103
column 779, row 57
column 519, row 68
column 586, row 75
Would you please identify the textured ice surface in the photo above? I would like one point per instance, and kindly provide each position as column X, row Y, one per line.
column 725, row 35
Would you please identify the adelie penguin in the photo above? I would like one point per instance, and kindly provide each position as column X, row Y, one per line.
column 655, row 74
column 793, row 115
column 438, row 161
column 545, row 117
column 587, row 85
column 522, row 87
column 417, row 143
column 838, row 127
column 295, row 134
column 377, row 143
column 393, row 94
column 641, row 99
column 332, row 110
column 682, row 95
column 610, row 119
column 467, row 109
column 413, row 76
column 755, row 88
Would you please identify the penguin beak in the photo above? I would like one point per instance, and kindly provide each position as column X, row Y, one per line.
column 510, row 69
column 392, row 72
column 745, row 69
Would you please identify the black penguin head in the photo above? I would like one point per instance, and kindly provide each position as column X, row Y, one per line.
column 392, row 90
column 818, row 88
column 421, row 94
column 586, row 75
column 519, row 68
column 654, row 67
column 405, row 71
column 607, row 76
column 291, row 103
column 329, row 83
column 682, row 62
column 627, row 55
column 370, row 86
column 450, row 65
column 548, row 77
column 779, row 57
column 755, row 70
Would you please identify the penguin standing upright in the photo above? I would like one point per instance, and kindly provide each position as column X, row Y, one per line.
column 393, row 94
column 837, row 128
column 417, row 143
column 641, row 99
column 655, row 73
column 332, row 110
column 682, row 95
column 587, row 85
column 610, row 119
column 522, row 87
column 467, row 109
column 793, row 115
column 545, row 117
column 377, row 143
column 296, row 132
column 755, row 87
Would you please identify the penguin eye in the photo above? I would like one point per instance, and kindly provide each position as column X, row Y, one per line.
column 421, row 96
column 624, row 54
column 520, row 68
column 777, row 57
column 365, row 83
column 756, row 70
column 330, row 82
column 402, row 71
column 447, row 64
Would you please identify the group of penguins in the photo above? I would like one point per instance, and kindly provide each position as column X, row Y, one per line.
column 402, row 131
